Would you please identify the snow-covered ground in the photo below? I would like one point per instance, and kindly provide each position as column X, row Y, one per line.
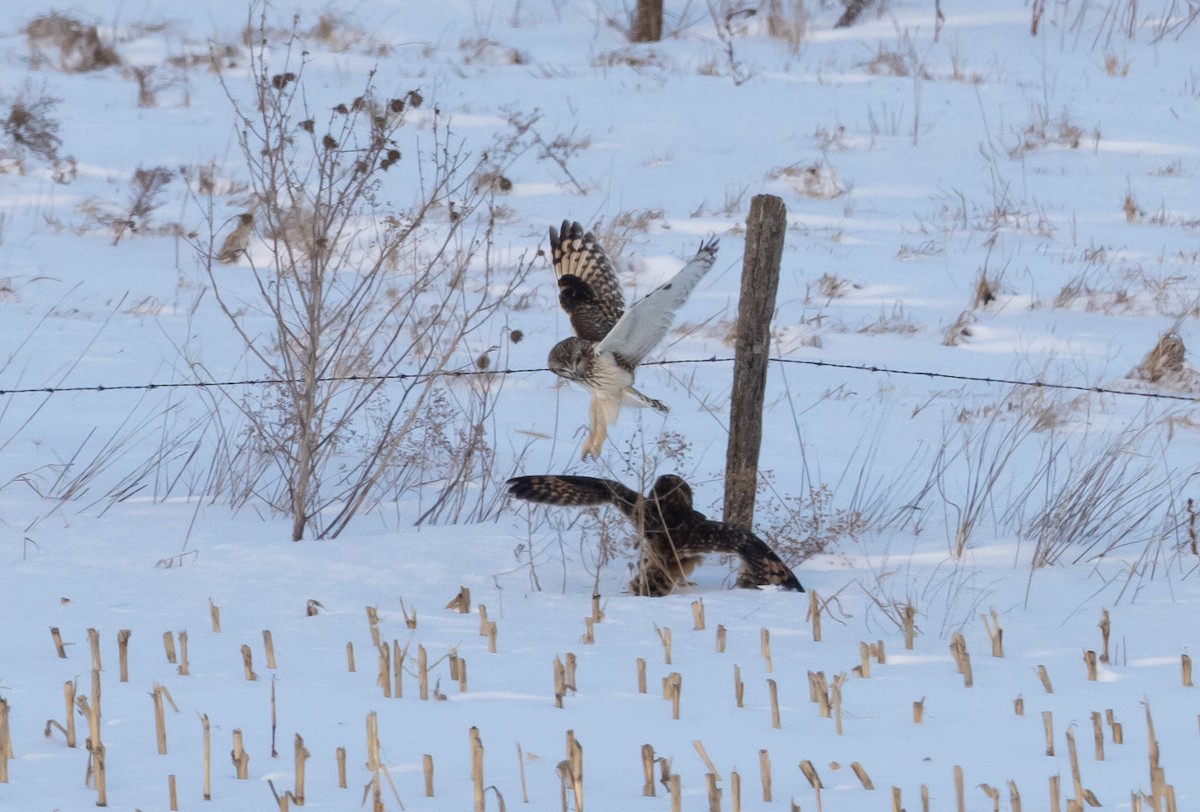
column 918, row 157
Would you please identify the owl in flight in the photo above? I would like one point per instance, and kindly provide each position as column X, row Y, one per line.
column 610, row 341
column 677, row 536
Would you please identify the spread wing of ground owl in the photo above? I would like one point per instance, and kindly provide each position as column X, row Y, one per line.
column 676, row 536
column 610, row 341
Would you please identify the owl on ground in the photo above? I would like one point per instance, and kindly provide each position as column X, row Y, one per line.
column 676, row 535
column 610, row 341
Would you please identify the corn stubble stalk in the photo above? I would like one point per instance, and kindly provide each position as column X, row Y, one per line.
column 698, row 615
column 814, row 780
column 918, row 708
column 350, row 657
column 675, row 681
column 94, row 644
column 422, row 673
column 398, row 669
column 863, row 669
column 96, row 766
column 959, row 799
column 1186, row 666
column 214, row 615
column 169, row 647
column 172, row 799
column 301, row 756
column 713, row 792
column 427, row 771
column 908, row 614
column 241, row 759
column 560, row 689
column 1098, row 736
column 862, row 776
column 206, row 737
column 1117, row 730
column 68, row 731
column 59, row 648
column 958, row 648
column 384, row 680
column 476, row 766
column 1044, row 676
column 994, row 633
column 773, row 692
column 247, row 663
column 814, row 615
column 574, row 761
column 6, row 748
column 641, row 675
column 373, row 624
column 1105, row 629
column 664, row 636
column 1089, row 662
column 735, row 791
column 648, row 771
column 739, row 687
column 269, row 650
column 720, row 639
column 183, row 654
column 764, row 643
column 676, row 793
column 1019, row 705
column 1048, row 723
column 835, row 697
column 123, row 653
column 764, row 771
column 339, row 757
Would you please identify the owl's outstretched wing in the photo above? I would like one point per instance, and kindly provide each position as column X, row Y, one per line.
column 647, row 321
column 553, row 489
column 588, row 288
column 760, row 565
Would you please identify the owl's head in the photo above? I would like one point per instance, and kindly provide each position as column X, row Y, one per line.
column 572, row 358
column 672, row 493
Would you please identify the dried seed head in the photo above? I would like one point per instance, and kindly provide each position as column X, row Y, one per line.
column 515, row 336
column 341, row 108
column 329, row 142
column 415, row 99
column 396, row 105
column 306, row 125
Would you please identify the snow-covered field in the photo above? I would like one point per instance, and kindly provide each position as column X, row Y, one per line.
column 964, row 199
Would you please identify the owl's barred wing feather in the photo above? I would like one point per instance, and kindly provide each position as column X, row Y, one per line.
column 589, row 290
column 647, row 321
column 578, row 491
column 760, row 565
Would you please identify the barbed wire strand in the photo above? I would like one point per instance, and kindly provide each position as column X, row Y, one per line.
column 462, row 373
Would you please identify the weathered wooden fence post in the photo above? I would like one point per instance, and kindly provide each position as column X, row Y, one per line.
column 765, row 227
column 647, row 21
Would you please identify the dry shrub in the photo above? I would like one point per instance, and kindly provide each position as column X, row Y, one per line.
column 30, row 128
column 1165, row 364
column 69, row 44
column 799, row 527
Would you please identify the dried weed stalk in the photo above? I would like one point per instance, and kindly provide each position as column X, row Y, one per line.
column 355, row 310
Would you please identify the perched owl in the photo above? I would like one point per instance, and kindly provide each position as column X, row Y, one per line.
column 235, row 244
column 677, row 536
column 610, row 341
